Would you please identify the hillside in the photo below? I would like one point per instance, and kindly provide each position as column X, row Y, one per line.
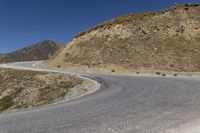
column 39, row 51
column 167, row 40
column 20, row 89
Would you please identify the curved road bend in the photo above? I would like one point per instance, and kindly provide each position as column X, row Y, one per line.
column 122, row 105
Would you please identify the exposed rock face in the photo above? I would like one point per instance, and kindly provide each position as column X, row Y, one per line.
column 40, row 51
column 168, row 40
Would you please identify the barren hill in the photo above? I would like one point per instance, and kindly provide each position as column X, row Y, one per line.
column 21, row 89
column 39, row 51
column 167, row 40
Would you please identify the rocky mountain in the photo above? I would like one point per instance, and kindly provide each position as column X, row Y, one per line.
column 39, row 51
column 167, row 40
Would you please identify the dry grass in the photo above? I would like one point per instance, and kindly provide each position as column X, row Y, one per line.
column 24, row 89
column 118, row 20
column 162, row 41
column 131, row 17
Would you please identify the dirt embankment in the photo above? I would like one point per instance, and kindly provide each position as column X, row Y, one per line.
column 21, row 89
column 167, row 41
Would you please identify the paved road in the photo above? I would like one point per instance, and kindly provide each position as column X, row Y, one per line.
column 121, row 105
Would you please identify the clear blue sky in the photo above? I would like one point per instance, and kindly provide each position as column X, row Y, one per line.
column 24, row 22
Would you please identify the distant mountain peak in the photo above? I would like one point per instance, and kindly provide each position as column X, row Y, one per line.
column 38, row 51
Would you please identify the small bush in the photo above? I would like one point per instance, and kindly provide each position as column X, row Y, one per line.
column 163, row 74
column 113, row 70
column 158, row 73
column 175, row 74
column 58, row 66
column 137, row 72
column 6, row 103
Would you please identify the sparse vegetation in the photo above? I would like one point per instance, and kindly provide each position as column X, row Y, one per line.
column 113, row 70
column 158, row 73
column 175, row 74
column 118, row 20
column 130, row 18
column 23, row 89
column 163, row 41
column 6, row 102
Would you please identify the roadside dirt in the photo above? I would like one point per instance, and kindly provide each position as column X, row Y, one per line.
column 20, row 89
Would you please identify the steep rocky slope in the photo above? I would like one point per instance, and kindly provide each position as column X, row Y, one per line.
column 39, row 51
column 168, row 40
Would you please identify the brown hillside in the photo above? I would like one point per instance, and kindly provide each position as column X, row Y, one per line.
column 39, row 51
column 20, row 89
column 168, row 40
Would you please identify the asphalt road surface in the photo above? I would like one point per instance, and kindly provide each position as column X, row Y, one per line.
column 122, row 105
